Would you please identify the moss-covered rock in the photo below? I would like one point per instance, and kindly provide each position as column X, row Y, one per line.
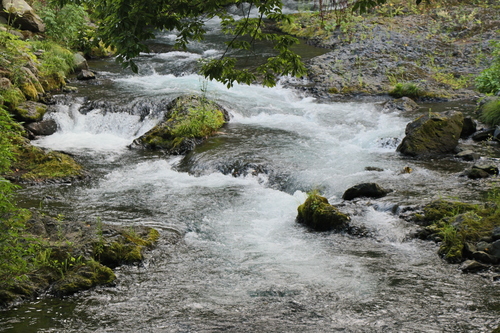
column 319, row 215
column 432, row 134
column 189, row 121
column 83, row 277
column 37, row 165
column 30, row 111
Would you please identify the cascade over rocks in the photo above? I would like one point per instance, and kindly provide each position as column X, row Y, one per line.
column 189, row 120
column 319, row 215
column 432, row 134
column 21, row 15
column 369, row 190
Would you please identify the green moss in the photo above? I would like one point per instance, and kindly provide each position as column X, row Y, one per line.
column 34, row 164
column 118, row 253
column 30, row 111
column 457, row 223
column 84, row 277
column 318, row 214
column 189, row 117
column 11, row 97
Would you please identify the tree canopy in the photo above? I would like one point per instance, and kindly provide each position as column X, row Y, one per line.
column 126, row 24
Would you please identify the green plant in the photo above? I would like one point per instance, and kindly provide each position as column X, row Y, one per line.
column 200, row 122
column 407, row 89
column 491, row 112
column 488, row 81
column 64, row 24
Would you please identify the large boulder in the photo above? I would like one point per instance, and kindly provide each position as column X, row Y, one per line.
column 30, row 111
column 368, row 190
column 20, row 15
column 319, row 215
column 432, row 134
column 189, row 120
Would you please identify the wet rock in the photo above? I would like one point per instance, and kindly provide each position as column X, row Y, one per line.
column 484, row 257
column 21, row 15
column 476, row 173
column 468, row 155
column 44, row 127
column 85, row 75
column 469, row 127
column 369, row 168
column 495, row 234
column 472, row 266
column 431, row 135
column 368, row 190
column 494, row 249
column 403, row 104
column 319, row 215
column 483, row 135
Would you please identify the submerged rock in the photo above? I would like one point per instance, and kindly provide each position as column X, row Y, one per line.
column 432, row 134
column 368, row 190
column 189, row 120
column 319, row 215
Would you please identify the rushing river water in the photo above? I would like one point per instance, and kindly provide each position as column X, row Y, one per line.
column 242, row 263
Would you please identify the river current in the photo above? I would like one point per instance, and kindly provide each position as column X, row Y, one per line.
column 242, row 263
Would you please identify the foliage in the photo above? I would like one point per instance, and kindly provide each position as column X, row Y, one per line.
column 200, row 122
column 491, row 112
column 65, row 24
column 407, row 89
column 488, row 81
column 13, row 251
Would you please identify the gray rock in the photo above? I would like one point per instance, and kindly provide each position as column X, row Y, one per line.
column 403, row 104
column 431, row 135
column 369, row 190
column 494, row 249
column 482, row 246
column 468, row 155
column 484, row 257
column 86, row 75
column 80, row 62
column 44, row 127
column 5, row 83
column 22, row 16
column 483, row 135
column 472, row 266
column 495, row 234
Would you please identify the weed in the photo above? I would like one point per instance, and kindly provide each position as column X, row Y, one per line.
column 407, row 89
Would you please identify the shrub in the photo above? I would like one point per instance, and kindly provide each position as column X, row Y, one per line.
column 64, row 24
column 488, row 81
column 407, row 89
column 491, row 112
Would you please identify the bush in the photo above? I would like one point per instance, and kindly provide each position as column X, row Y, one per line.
column 488, row 81
column 491, row 112
column 408, row 89
column 64, row 24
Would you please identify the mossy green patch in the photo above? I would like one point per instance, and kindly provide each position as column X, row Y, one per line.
column 457, row 223
column 84, row 277
column 34, row 165
column 318, row 214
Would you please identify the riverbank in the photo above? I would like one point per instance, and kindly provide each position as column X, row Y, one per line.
column 439, row 49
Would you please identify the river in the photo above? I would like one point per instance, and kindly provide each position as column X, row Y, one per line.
column 243, row 264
